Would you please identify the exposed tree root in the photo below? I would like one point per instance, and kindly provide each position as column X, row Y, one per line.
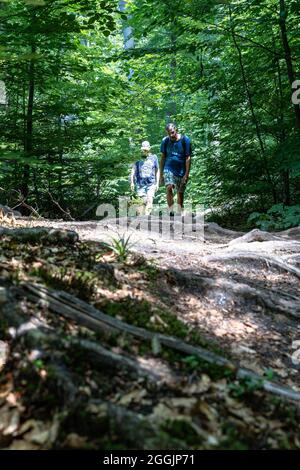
column 177, row 224
column 38, row 234
column 75, row 309
column 135, row 429
column 255, row 235
column 82, row 313
column 277, row 301
column 283, row 303
column 253, row 258
column 152, row 370
column 41, row 338
column 5, row 210
column 294, row 259
column 213, row 228
column 291, row 233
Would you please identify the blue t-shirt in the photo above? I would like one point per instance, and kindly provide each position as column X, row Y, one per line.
column 175, row 155
column 145, row 171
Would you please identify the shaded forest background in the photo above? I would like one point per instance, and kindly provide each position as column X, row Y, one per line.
column 109, row 341
column 84, row 82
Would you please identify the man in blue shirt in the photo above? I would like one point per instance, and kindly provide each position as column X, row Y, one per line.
column 175, row 164
column 145, row 175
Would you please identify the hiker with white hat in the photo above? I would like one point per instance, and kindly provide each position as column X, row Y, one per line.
column 145, row 176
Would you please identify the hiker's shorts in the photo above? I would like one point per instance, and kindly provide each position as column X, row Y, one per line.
column 146, row 192
column 175, row 181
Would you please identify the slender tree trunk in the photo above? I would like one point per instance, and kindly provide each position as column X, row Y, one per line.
column 62, row 131
column 29, row 124
column 172, row 111
column 127, row 34
column 35, row 185
column 285, row 172
column 254, row 118
column 287, row 54
column 60, row 178
column 24, row 103
column 286, row 187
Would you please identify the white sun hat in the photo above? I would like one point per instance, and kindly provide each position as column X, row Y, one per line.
column 145, row 145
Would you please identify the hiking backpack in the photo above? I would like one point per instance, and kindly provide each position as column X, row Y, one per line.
column 183, row 138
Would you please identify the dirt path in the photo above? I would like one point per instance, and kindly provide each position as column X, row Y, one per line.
column 90, row 342
column 240, row 290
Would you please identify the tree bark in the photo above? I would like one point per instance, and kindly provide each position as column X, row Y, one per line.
column 287, row 54
column 29, row 124
column 254, row 117
column 285, row 174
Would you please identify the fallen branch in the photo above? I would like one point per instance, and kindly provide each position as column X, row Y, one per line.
column 67, row 212
column 22, row 202
column 95, row 204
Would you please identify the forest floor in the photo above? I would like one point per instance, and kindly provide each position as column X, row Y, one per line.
column 71, row 378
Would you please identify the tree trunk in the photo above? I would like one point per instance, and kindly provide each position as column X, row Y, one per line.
column 29, row 124
column 127, row 34
column 285, row 174
column 172, row 108
column 254, row 118
column 288, row 55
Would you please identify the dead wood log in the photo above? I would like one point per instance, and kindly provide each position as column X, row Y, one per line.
column 80, row 311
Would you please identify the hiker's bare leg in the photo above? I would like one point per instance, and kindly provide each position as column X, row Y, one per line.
column 143, row 206
column 140, row 210
column 149, row 202
column 149, row 206
column 170, row 198
column 180, row 198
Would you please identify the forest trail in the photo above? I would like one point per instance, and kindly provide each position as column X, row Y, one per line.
column 114, row 335
column 184, row 343
column 240, row 290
